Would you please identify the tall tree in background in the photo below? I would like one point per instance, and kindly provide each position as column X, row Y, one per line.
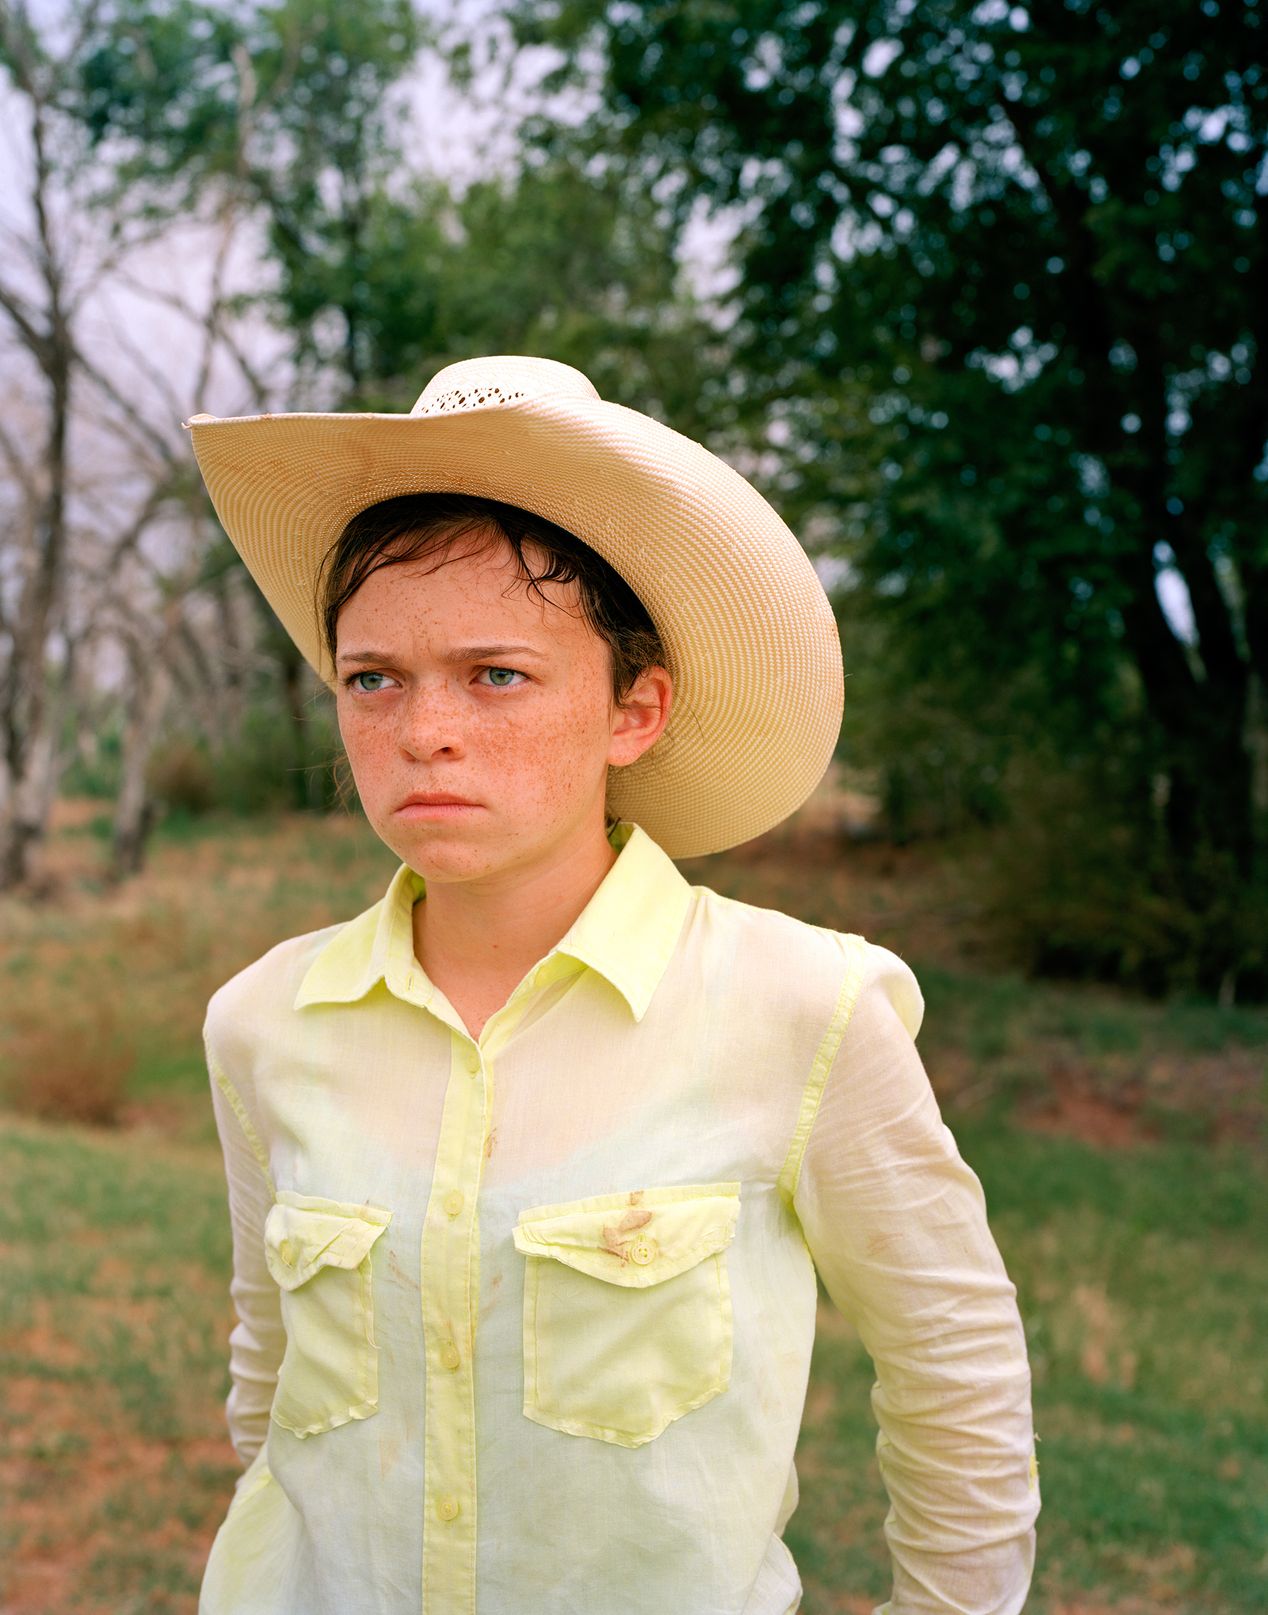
column 1035, row 238
column 374, row 270
column 291, row 112
column 99, row 501
column 379, row 269
column 294, row 109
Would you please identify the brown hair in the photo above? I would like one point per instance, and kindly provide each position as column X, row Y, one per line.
column 413, row 526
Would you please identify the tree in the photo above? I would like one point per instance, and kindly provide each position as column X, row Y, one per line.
column 277, row 117
column 1034, row 239
column 294, row 110
column 91, row 450
column 372, row 272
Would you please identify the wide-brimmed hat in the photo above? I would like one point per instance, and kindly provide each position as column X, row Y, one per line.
column 750, row 638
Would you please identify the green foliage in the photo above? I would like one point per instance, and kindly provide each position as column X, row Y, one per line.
column 272, row 95
column 1054, row 884
column 263, row 767
column 1000, row 310
column 292, row 109
column 94, row 771
column 297, row 110
column 552, row 261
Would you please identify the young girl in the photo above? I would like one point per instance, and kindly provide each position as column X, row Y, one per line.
column 531, row 1166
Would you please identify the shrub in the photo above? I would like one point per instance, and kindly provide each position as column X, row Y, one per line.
column 69, row 1069
column 180, row 775
column 270, row 765
column 266, row 765
column 1077, row 883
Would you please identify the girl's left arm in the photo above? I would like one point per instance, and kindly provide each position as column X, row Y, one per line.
column 896, row 1223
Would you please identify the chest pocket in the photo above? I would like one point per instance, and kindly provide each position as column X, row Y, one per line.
column 319, row 1251
column 627, row 1309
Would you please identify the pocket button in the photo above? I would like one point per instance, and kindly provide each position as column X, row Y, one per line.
column 643, row 1250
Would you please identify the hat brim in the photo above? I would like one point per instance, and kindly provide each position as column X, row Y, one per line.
column 751, row 640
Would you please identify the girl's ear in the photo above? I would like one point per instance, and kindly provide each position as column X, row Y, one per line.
column 640, row 719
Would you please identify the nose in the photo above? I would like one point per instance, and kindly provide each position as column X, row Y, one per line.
column 430, row 722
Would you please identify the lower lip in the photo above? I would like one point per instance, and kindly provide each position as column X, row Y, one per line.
column 437, row 810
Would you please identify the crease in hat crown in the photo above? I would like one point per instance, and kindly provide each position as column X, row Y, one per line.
column 499, row 379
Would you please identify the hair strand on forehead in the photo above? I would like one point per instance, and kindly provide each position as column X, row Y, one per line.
column 412, row 527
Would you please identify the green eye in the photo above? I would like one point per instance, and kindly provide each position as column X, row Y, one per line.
column 502, row 676
column 367, row 689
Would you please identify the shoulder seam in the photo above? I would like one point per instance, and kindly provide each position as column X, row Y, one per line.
column 853, row 948
column 234, row 1100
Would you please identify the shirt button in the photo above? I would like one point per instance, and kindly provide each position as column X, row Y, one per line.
column 472, row 1061
column 447, row 1508
column 643, row 1250
column 453, row 1202
column 449, row 1355
column 286, row 1250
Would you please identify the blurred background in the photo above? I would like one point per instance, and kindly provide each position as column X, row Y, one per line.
column 978, row 295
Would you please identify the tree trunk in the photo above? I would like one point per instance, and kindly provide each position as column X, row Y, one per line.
column 27, row 793
column 134, row 807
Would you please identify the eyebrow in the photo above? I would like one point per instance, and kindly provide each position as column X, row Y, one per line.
column 460, row 653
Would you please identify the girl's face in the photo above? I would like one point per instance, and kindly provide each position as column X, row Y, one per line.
column 459, row 682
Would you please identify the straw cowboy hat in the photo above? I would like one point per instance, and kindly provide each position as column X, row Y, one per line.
column 750, row 638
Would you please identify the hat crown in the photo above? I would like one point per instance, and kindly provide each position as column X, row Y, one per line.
column 505, row 378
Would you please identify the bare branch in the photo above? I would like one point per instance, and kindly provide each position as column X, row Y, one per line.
column 159, row 379
column 35, row 341
column 148, row 433
column 17, row 463
column 215, row 305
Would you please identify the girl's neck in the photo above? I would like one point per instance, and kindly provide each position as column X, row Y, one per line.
column 477, row 940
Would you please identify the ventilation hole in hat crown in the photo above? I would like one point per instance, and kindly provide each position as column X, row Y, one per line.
column 456, row 399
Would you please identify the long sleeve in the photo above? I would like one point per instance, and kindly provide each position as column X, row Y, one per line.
column 258, row 1340
column 896, row 1223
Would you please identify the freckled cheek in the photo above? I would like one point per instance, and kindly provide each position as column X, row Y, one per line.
column 370, row 748
column 561, row 756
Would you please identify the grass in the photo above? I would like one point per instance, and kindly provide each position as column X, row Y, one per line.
column 114, row 1468
column 1120, row 1144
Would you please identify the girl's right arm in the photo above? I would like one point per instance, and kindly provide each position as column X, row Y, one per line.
column 258, row 1340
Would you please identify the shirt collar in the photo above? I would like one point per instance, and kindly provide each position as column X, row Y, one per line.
column 627, row 932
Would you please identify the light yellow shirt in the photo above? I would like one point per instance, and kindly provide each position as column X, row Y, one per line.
column 525, row 1323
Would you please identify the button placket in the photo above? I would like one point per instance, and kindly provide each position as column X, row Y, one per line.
column 450, row 1259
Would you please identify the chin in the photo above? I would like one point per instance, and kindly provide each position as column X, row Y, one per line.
column 439, row 855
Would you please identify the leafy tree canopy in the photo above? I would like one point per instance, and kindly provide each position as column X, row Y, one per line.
column 1001, row 309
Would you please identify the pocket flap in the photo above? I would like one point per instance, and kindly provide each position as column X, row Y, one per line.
column 637, row 1238
column 303, row 1233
